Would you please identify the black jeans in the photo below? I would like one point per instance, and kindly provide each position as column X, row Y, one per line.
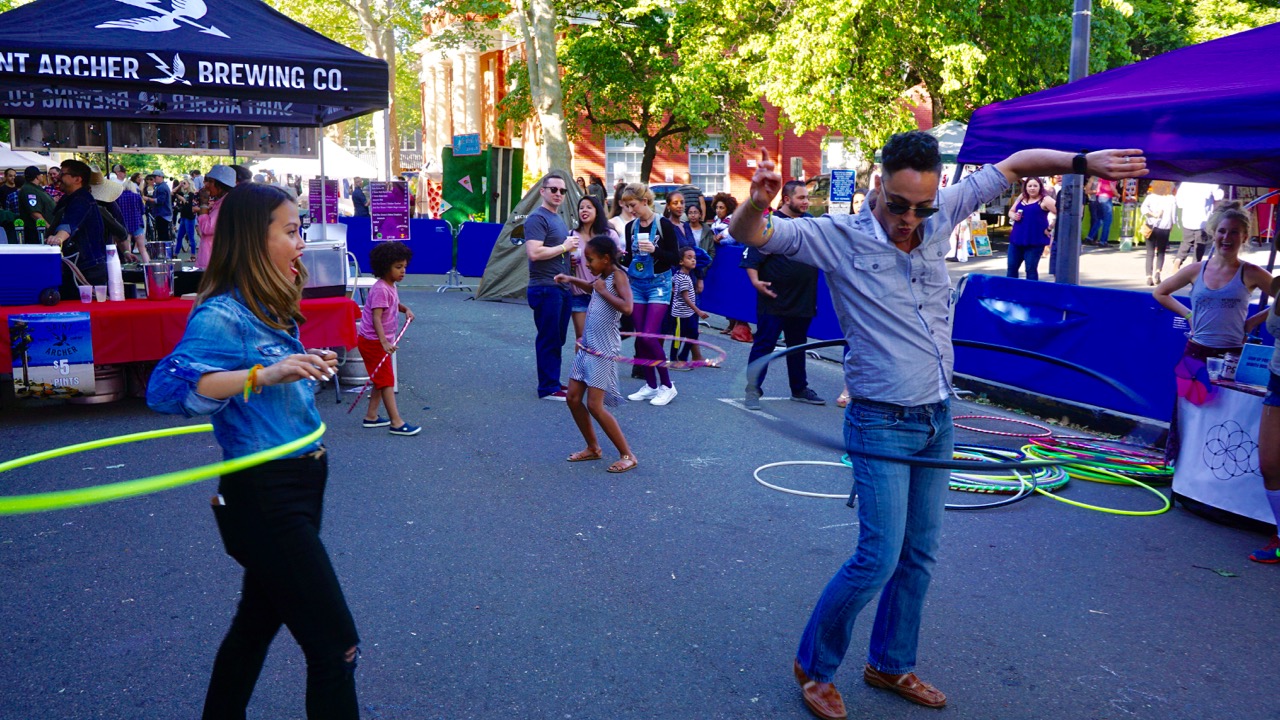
column 1157, row 244
column 164, row 229
column 688, row 328
column 796, row 331
column 270, row 524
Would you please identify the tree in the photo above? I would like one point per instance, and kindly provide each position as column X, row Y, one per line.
column 383, row 29
column 845, row 64
column 649, row 69
column 539, row 92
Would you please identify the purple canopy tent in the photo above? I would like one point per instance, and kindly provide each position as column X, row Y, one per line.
column 1208, row 113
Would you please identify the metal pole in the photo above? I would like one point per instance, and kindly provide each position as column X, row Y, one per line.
column 324, row 204
column 231, row 137
column 1071, row 197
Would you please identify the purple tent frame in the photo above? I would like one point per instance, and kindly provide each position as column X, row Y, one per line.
column 1208, row 113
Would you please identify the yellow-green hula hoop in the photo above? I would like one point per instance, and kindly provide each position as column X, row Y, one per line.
column 63, row 499
column 1112, row 511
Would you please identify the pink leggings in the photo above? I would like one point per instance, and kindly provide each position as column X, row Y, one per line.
column 648, row 318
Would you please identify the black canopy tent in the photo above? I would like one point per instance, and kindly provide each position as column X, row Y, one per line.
column 224, row 61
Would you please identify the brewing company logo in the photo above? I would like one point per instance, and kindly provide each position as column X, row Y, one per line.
column 181, row 12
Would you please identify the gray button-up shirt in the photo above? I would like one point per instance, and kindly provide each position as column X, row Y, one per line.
column 894, row 306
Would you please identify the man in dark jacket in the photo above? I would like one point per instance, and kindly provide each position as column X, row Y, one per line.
column 786, row 303
column 359, row 199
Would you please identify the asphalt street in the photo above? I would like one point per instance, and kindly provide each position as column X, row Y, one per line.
column 490, row 578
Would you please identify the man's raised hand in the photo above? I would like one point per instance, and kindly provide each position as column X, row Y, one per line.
column 766, row 183
column 1117, row 164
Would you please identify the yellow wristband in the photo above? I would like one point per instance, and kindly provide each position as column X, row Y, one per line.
column 250, row 382
column 752, row 201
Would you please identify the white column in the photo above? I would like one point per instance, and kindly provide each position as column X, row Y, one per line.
column 444, row 104
column 458, row 100
column 475, row 91
column 427, row 76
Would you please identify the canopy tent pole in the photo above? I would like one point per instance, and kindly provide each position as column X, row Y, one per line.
column 106, row 153
column 1066, row 265
column 231, row 139
column 324, row 187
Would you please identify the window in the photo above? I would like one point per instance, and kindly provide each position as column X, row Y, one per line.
column 622, row 158
column 709, row 167
column 359, row 134
column 837, row 155
column 410, row 141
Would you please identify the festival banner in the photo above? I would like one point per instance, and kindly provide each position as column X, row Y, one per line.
column 389, row 209
column 329, row 213
column 52, row 354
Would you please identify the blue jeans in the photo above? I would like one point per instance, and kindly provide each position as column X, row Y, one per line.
column 655, row 290
column 187, row 229
column 1025, row 254
column 1100, row 219
column 551, row 313
column 900, row 510
column 796, row 330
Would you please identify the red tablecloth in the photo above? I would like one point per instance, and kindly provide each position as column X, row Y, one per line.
column 141, row 330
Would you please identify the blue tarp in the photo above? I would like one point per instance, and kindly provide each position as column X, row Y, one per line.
column 1207, row 113
column 431, row 242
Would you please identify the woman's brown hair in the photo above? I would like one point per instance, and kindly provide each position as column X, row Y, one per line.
column 240, row 260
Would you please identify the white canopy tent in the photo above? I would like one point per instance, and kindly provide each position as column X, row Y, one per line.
column 338, row 163
column 20, row 159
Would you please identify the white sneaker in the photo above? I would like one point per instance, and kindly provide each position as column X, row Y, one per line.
column 644, row 393
column 666, row 394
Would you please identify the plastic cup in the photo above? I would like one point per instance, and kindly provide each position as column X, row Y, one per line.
column 86, row 293
column 100, row 292
column 1215, row 367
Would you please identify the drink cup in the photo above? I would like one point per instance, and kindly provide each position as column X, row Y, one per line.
column 100, row 293
column 1215, row 367
column 86, row 293
column 1229, row 363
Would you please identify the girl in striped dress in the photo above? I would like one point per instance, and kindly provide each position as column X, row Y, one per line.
column 597, row 377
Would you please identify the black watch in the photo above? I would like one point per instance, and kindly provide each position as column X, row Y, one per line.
column 1080, row 164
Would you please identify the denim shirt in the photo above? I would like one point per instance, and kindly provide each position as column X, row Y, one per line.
column 894, row 307
column 222, row 334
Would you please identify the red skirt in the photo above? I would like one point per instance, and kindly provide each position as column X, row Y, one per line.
column 373, row 354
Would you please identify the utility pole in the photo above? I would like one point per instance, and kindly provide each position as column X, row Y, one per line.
column 1066, row 265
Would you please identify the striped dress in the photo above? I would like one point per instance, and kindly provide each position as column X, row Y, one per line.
column 600, row 333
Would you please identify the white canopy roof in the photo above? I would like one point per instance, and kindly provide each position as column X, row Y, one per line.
column 338, row 163
column 20, row 159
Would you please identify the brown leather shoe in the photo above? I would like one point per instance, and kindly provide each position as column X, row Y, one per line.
column 907, row 685
column 822, row 699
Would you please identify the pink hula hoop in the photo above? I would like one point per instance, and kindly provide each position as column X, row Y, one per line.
column 1042, row 431
column 664, row 363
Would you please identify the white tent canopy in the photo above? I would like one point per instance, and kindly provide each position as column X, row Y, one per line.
column 338, row 163
column 20, row 159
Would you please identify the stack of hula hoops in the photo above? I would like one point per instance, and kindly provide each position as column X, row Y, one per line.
column 1111, row 462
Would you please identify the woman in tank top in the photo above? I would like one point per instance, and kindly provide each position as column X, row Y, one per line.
column 1029, row 215
column 1221, row 288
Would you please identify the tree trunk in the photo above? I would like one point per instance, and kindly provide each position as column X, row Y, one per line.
column 538, row 25
column 379, row 37
column 647, row 158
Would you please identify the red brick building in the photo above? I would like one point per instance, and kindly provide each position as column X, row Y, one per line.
column 461, row 89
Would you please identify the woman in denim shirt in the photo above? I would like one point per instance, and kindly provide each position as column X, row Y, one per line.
column 241, row 363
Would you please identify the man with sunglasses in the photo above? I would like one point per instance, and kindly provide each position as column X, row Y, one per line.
column 887, row 272
column 548, row 245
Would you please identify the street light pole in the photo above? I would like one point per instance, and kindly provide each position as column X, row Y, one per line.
column 1071, row 196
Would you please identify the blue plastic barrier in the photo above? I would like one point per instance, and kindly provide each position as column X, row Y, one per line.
column 430, row 240
column 1122, row 334
column 728, row 291
column 475, row 245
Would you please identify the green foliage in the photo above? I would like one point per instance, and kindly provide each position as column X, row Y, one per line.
column 654, row 69
column 846, row 64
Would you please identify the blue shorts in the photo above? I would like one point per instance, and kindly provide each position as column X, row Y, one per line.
column 651, row 291
column 1273, row 391
column 579, row 303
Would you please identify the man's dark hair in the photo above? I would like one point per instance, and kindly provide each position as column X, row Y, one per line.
column 32, row 176
column 75, row 168
column 917, row 150
column 243, row 174
column 790, row 187
column 551, row 176
column 386, row 254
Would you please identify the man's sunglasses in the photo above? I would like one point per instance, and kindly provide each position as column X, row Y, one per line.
column 556, row 190
column 901, row 209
